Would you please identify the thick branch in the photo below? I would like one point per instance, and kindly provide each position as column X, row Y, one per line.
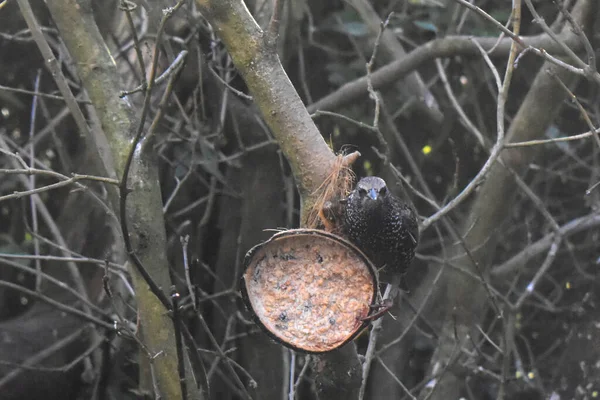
column 97, row 70
column 281, row 107
column 439, row 48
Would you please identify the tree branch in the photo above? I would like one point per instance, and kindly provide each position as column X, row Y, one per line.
column 439, row 48
column 282, row 109
column 97, row 70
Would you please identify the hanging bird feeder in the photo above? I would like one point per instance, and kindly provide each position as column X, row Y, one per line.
column 308, row 289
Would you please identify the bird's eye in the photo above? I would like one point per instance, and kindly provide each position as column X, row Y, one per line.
column 383, row 190
column 362, row 191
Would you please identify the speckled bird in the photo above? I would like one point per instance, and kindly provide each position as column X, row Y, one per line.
column 383, row 226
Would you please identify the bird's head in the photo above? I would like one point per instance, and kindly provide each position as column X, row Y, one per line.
column 371, row 188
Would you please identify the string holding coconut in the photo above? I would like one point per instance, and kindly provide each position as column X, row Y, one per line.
column 310, row 289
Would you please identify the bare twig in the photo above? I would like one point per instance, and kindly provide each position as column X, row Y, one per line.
column 362, row 125
column 39, row 94
column 459, row 109
column 272, row 33
column 28, row 363
column 65, row 181
column 228, row 86
column 85, row 316
column 469, row 189
column 171, row 70
column 85, row 260
column 302, row 373
column 292, row 373
column 540, row 272
column 46, row 216
column 582, row 110
column 128, row 6
column 589, row 49
column 567, row 50
column 228, row 362
column 53, row 280
column 582, row 70
column 556, row 140
column 54, row 66
column 184, row 248
column 178, row 323
column 374, row 96
column 521, row 258
column 372, row 347
column 395, row 378
column 174, row 70
column 34, row 216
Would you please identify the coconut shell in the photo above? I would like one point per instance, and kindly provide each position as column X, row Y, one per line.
column 308, row 289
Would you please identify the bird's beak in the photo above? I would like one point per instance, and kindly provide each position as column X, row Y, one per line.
column 372, row 193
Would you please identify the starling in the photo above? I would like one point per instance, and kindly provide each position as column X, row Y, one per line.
column 383, row 226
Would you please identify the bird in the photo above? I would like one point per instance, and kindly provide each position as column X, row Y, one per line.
column 384, row 227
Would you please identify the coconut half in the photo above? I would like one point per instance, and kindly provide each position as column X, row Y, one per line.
column 309, row 289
